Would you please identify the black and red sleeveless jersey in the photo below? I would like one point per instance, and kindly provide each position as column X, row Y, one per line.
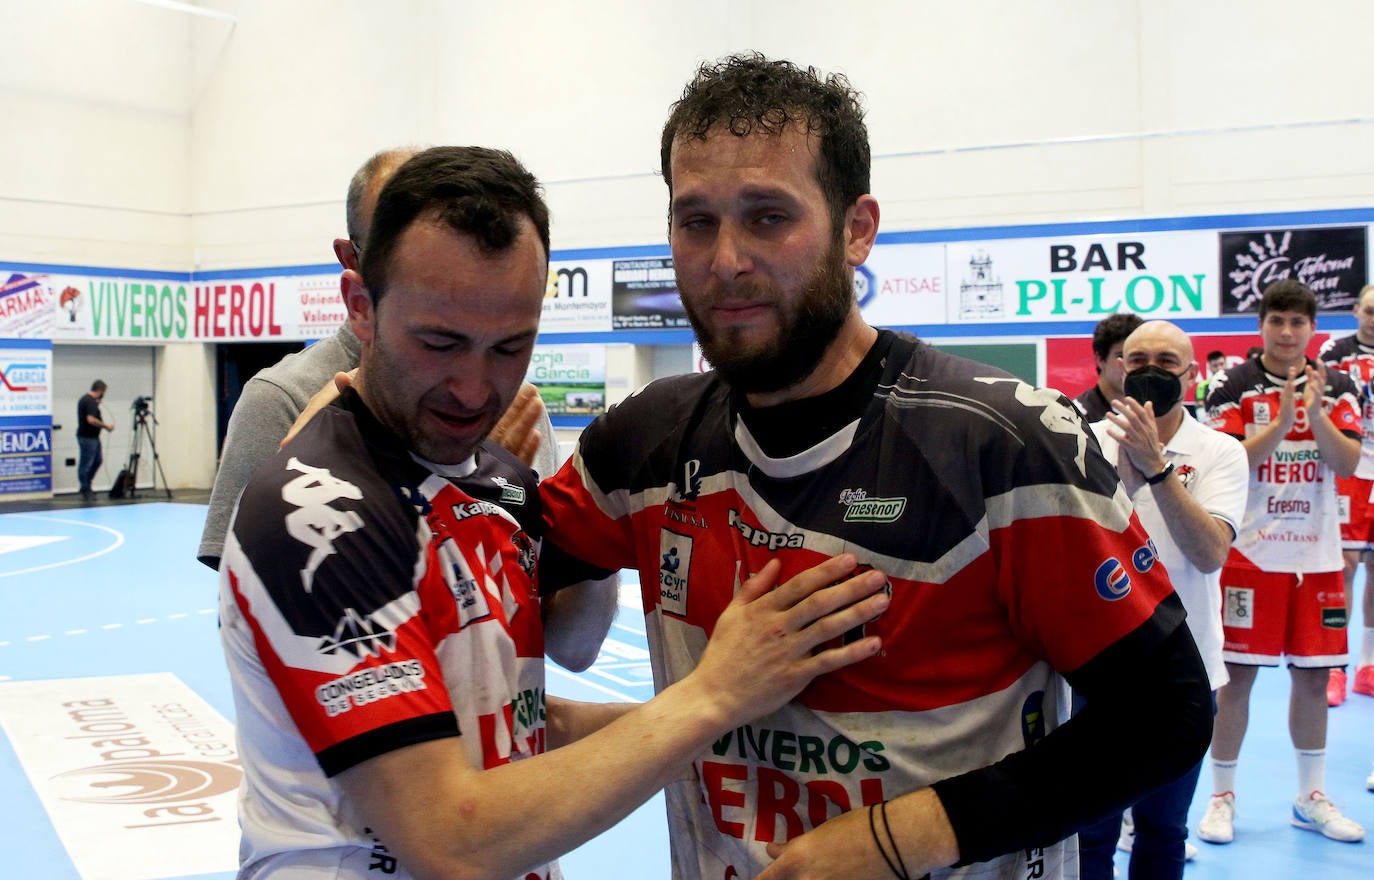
column 1352, row 357
column 1011, row 550
column 368, row 603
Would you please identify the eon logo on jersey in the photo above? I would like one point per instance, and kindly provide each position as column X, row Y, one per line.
column 1113, row 581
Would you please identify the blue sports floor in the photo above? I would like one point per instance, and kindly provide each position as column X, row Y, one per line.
column 109, row 655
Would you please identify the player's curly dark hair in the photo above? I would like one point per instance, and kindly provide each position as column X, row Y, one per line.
column 748, row 93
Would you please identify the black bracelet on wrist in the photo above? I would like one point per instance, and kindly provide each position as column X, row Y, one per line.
column 1161, row 476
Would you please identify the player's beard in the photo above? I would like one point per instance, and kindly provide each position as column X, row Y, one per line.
column 807, row 326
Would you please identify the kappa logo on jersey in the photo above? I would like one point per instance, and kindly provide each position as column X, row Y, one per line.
column 675, row 566
column 1055, row 415
column 691, row 484
column 860, row 508
column 758, row 537
column 510, row 493
column 315, row 523
column 476, row 508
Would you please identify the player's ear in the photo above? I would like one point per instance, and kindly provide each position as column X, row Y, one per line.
column 346, row 252
column 362, row 314
column 860, row 229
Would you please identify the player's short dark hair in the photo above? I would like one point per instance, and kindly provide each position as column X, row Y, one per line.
column 1288, row 295
column 748, row 93
column 1215, row 353
column 474, row 191
column 1112, row 330
column 98, row 385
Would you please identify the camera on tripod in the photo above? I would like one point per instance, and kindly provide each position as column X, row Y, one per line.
column 126, row 483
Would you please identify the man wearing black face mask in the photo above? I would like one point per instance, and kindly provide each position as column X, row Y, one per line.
column 1188, row 485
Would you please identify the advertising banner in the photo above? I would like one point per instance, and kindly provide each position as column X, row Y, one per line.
column 1331, row 260
column 26, row 307
column 1071, row 368
column 578, row 297
column 275, row 308
column 902, row 284
column 1167, row 275
column 26, row 379
column 138, row 774
column 644, row 295
column 25, row 416
column 571, row 378
column 25, row 455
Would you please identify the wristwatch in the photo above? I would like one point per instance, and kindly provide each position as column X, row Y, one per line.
column 1161, row 476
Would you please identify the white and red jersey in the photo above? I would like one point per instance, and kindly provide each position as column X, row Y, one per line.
column 1352, row 357
column 1292, row 518
column 367, row 604
column 1011, row 550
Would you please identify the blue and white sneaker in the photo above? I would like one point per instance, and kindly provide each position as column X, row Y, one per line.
column 1317, row 813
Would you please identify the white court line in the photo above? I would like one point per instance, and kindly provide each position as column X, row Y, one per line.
column 108, row 626
column 624, row 698
column 119, row 541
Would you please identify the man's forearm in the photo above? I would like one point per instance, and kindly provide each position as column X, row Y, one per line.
column 576, row 620
column 1204, row 540
column 1074, row 776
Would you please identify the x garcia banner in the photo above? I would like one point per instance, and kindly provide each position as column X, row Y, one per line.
column 25, row 416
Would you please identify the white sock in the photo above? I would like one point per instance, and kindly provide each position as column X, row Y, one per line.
column 1367, row 646
column 1223, row 776
column 1311, row 771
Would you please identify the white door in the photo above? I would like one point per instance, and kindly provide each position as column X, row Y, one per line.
column 128, row 371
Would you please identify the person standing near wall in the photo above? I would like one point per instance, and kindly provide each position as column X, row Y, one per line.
column 1188, row 486
column 1282, row 587
column 1354, row 356
column 89, row 424
column 1108, row 337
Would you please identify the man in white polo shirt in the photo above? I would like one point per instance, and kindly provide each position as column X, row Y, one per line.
column 1188, row 484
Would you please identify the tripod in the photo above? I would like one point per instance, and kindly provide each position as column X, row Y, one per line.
column 141, row 432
